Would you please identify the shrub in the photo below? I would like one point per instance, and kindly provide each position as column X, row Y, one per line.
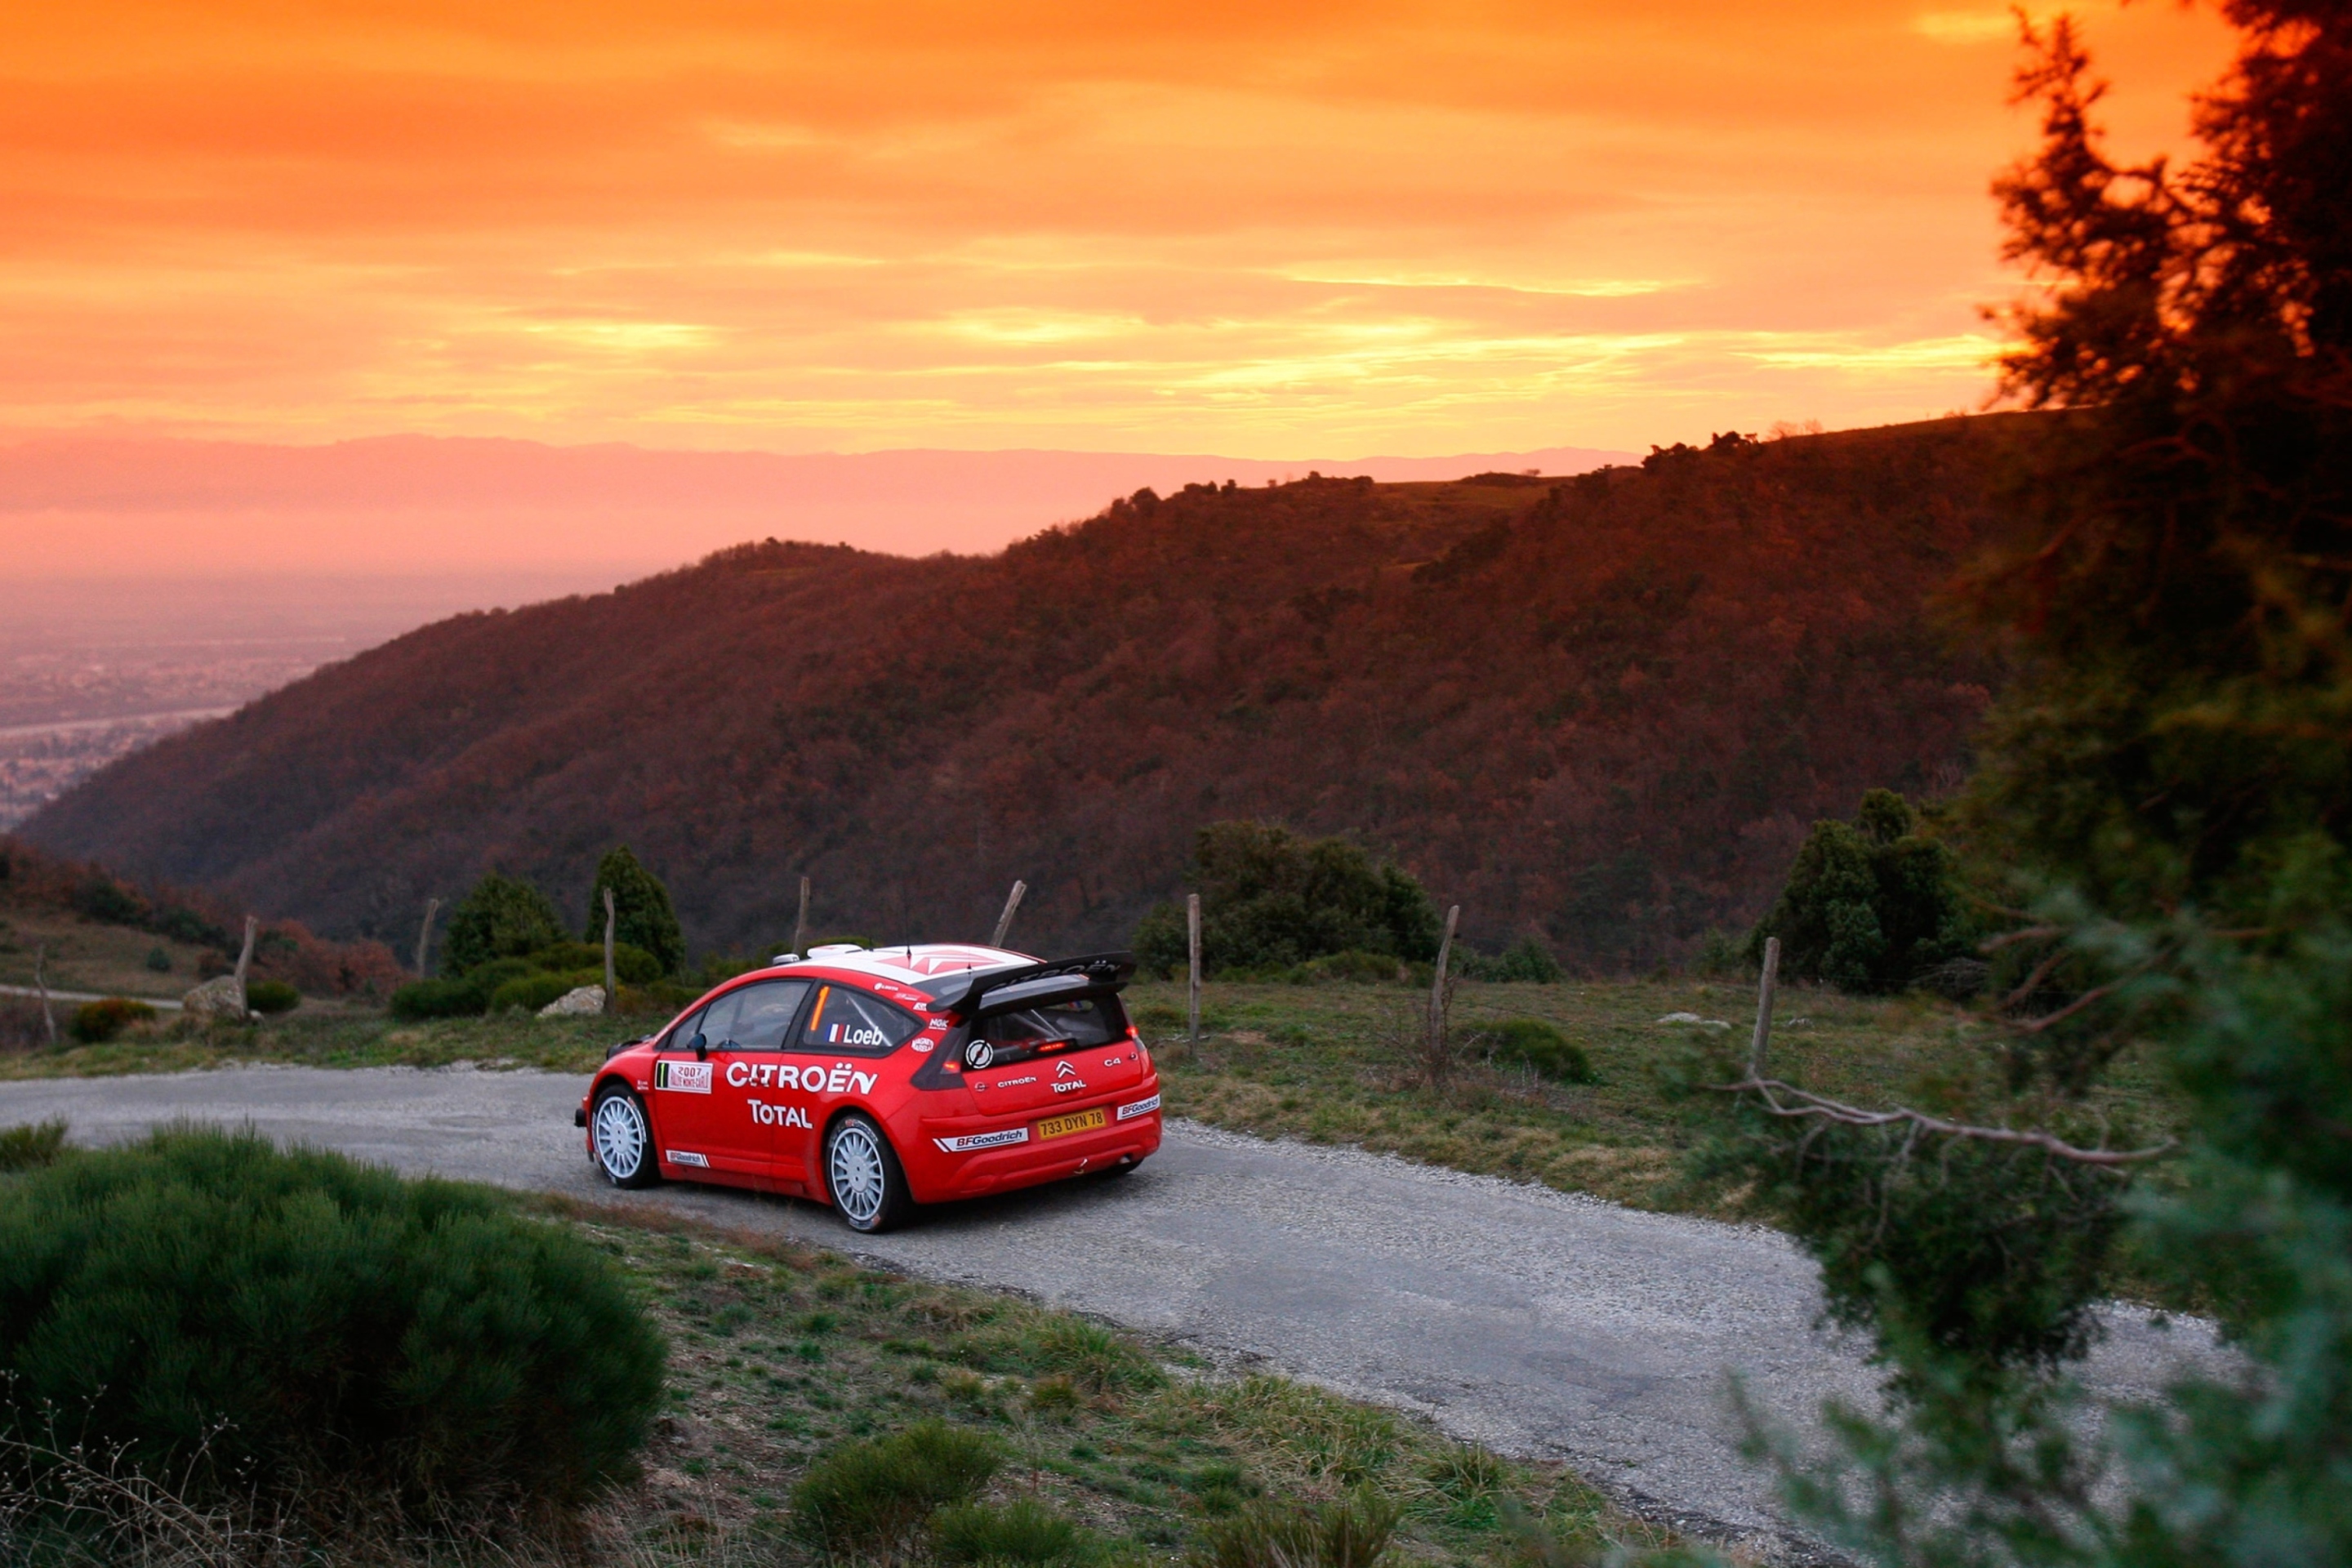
column 333, row 1344
column 642, row 915
column 532, row 991
column 1024, row 1531
column 1270, row 900
column 876, row 1495
column 503, row 917
column 1528, row 960
column 29, row 1147
column 158, row 961
column 272, row 997
column 1353, row 1533
column 1869, row 904
column 631, row 965
column 662, row 999
column 422, row 999
column 1533, row 1043
column 95, row 1023
column 1354, row 965
column 101, row 898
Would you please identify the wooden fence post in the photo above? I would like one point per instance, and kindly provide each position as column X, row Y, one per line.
column 611, row 986
column 41, row 985
column 1193, row 936
column 1764, row 1008
column 245, row 958
column 1005, row 921
column 424, row 935
column 799, row 926
column 1438, row 1062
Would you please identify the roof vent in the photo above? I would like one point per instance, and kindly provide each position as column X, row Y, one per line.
column 834, row 949
column 783, row 958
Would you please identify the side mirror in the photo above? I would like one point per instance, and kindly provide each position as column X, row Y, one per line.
column 701, row 1045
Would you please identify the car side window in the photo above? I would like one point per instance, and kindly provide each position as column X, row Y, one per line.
column 854, row 1023
column 681, row 1036
column 759, row 1015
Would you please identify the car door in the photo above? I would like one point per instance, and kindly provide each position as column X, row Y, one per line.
column 708, row 1100
column 832, row 1057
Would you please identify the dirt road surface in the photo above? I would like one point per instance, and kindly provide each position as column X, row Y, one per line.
column 1541, row 1324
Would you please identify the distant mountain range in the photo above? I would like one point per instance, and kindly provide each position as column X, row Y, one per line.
column 1604, row 711
column 416, row 504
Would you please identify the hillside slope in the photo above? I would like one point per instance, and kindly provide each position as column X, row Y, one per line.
column 1603, row 709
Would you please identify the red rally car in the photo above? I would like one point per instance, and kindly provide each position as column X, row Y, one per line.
column 876, row 1080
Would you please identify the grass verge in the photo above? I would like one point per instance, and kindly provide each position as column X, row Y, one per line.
column 782, row 1355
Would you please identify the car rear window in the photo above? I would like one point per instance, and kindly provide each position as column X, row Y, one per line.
column 1056, row 1026
column 854, row 1023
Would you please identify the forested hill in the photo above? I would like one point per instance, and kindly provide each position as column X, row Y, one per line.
column 1603, row 710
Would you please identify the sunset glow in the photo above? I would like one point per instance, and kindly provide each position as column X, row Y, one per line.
column 1274, row 229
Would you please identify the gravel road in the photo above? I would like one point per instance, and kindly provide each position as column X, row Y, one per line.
column 1541, row 1324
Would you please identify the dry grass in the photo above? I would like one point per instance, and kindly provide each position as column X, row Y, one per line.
column 1341, row 1064
column 780, row 1353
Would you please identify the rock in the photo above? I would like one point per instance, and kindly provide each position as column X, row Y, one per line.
column 577, row 1003
column 1680, row 1019
column 217, row 999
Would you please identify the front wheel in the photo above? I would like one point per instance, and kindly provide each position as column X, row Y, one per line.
column 623, row 1138
column 863, row 1175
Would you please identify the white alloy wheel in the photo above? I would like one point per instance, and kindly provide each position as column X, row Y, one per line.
column 862, row 1174
column 625, row 1145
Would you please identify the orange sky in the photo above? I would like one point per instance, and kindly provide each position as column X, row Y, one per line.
column 1271, row 228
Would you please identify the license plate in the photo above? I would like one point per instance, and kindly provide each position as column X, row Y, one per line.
column 1076, row 1121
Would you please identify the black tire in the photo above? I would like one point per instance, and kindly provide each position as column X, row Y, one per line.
column 863, row 1176
column 621, row 1139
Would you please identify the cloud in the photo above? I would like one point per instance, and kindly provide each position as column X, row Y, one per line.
column 1260, row 228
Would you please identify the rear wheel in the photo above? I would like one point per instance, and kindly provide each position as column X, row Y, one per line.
column 623, row 1138
column 863, row 1175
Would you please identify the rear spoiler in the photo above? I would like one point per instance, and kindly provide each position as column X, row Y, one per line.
column 1000, row 990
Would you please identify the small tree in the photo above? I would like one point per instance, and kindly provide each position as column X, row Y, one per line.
column 2169, row 791
column 1270, row 899
column 1869, row 904
column 641, row 915
column 503, row 917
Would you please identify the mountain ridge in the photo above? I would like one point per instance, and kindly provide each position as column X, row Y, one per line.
column 1601, row 711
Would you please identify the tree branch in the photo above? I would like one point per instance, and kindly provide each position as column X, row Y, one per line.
column 1818, row 1107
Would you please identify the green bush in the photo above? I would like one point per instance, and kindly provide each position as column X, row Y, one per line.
column 337, row 1346
column 29, row 1147
column 503, row 917
column 95, row 1023
column 158, row 961
column 662, row 999
column 532, row 991
column 876, row 1497
column 272, row 997
column 631, row 965
column 1532, row 1041
column 422, row 999
column 1351, row 1533
column 1871, row 905
column 642, row 915
column 1270, row 900
column 1024, row 1531
column 1353, row 965
column 1527, row 961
